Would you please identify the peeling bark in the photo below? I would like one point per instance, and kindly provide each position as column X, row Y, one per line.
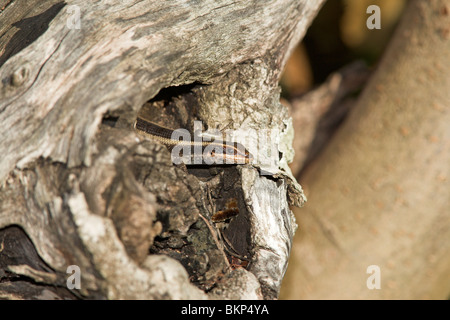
column 88, row 191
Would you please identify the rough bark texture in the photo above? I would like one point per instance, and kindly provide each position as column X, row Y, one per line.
column 78, row 185
column 379, row 193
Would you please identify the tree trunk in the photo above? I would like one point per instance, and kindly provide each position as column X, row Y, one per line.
column 377, row 223
column 83, row 195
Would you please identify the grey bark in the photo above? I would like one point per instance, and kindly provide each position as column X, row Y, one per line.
column 82, row 188
column 381, row 187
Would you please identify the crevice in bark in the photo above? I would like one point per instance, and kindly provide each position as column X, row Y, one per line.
column 29, row 30
column 89, row 191
column 21, row 266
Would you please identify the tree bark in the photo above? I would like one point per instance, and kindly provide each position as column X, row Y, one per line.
column 81, row 188
column 379, row 193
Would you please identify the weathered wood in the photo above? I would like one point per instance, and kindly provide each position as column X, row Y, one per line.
column 89, row 192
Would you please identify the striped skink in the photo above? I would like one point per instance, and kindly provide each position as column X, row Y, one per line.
column 210, row 152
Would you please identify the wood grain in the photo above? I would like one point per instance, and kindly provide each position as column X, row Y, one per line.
column 76, row 186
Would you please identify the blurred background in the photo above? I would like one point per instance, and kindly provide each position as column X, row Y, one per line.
column 337, row 37
column 327, row 71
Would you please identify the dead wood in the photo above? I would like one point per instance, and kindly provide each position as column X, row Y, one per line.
column 87, row 191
